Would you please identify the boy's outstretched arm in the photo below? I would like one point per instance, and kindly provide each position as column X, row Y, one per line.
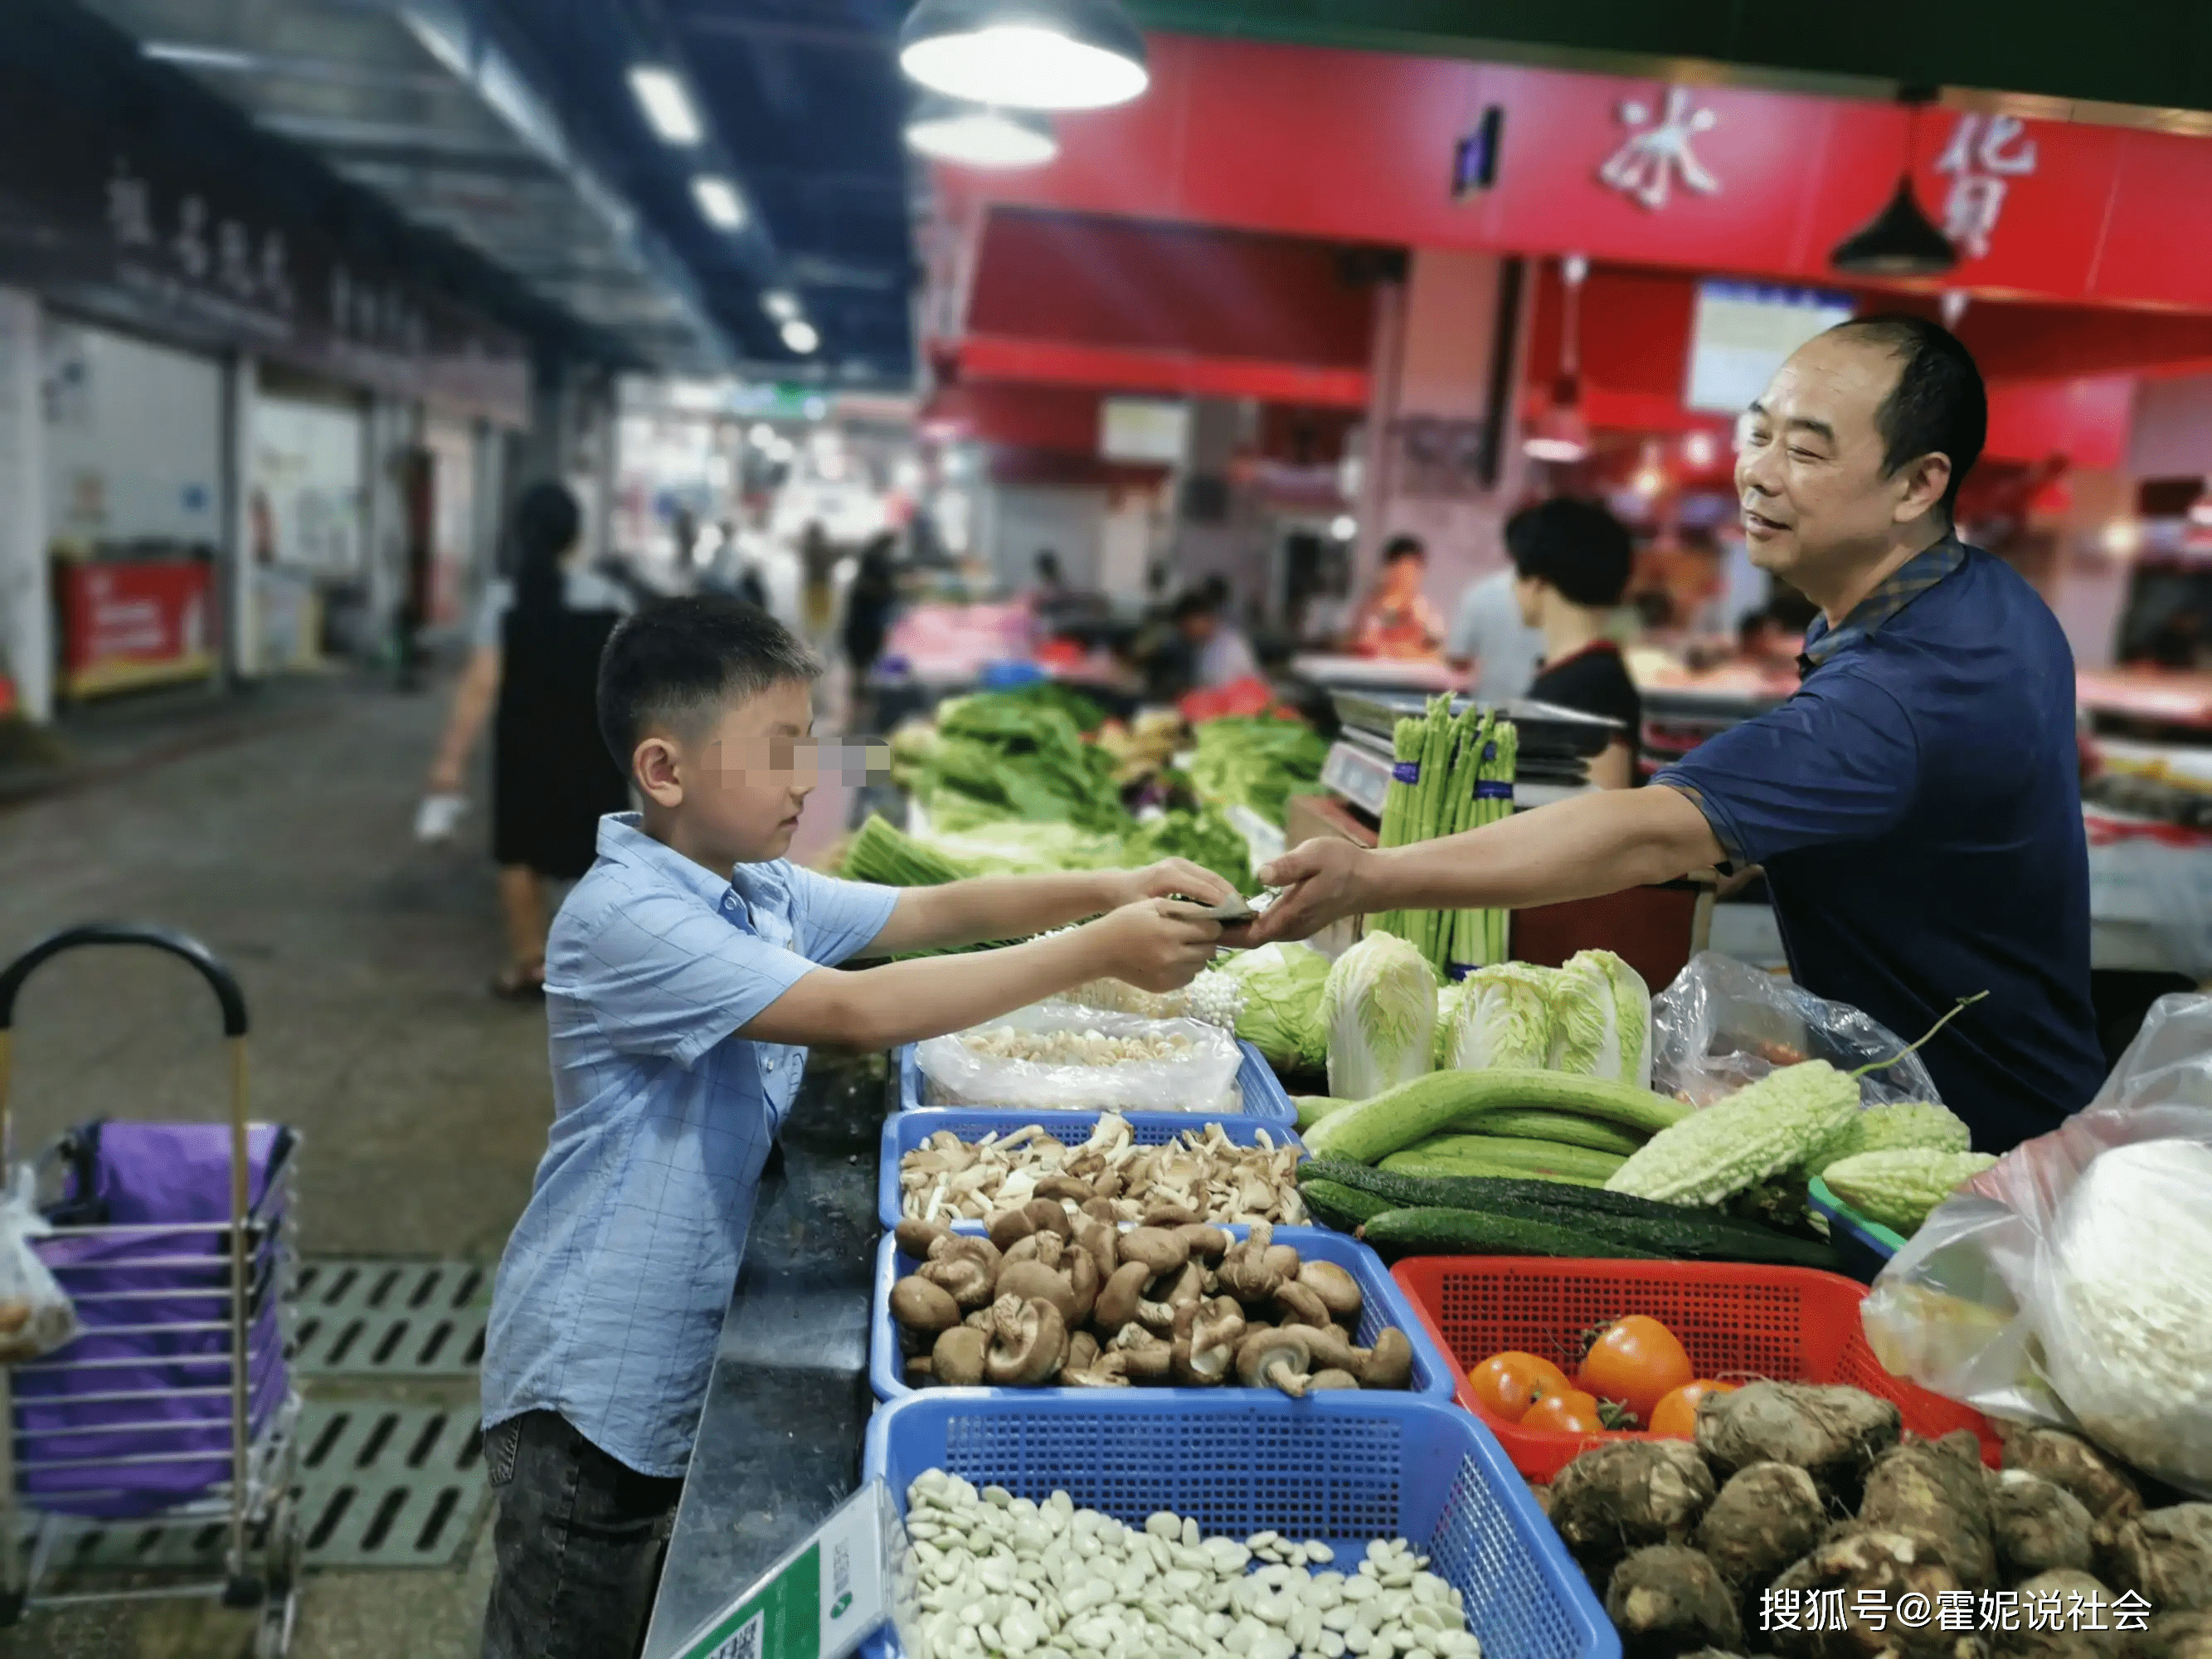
column 1014, row 906
column 1151, row 944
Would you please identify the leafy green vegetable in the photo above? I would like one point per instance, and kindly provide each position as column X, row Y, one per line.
column 1204, row 837
column 882, row 854
column 1020, row 849
column 1002, row 755
column 1504, row 1019
column 1379, row 1009
column 1632, row 1012
column 1258, row 762
column 1602, row 1019
column 1281, row 1016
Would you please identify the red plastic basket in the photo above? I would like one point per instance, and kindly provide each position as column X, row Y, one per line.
column 1791, row 1324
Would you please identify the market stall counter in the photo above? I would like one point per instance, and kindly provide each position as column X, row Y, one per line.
column 779, row 1443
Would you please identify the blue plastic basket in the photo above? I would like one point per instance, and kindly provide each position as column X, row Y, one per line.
column 1265, row 1099
column 904, row 1131
column 1434, row 1375
column 1864, row 1247
column 1345, row 1469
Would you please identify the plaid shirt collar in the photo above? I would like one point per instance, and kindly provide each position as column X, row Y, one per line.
column 1903, row 586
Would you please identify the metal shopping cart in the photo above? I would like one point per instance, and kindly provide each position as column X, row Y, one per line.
column 175, row 1244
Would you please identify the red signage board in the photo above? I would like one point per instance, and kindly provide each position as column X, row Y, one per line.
column 1361, row 146
column 128, row 624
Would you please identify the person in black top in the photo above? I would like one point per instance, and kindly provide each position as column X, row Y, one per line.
column 1571, row 566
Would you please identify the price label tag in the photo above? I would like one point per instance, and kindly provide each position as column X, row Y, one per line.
column 824, row 1598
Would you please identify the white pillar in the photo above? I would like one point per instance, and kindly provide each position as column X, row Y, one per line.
column 26, row 592
column 236, row 578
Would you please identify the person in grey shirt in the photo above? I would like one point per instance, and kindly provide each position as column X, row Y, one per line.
column 1488, row 636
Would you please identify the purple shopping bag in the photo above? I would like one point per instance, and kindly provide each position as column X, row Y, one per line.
column 156, row 1312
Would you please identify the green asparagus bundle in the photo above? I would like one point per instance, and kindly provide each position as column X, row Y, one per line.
column 1408, row 739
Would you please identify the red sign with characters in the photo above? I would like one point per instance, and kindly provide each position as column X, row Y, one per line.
column 126, row 624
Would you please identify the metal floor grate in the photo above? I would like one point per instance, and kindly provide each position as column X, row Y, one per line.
column 381, row 1485
column 361, row 1317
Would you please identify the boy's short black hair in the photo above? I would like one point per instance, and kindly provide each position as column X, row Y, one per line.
column 1404, row 547
column 679, row 662
column 1578, row 547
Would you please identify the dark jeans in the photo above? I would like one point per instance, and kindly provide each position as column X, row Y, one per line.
column 579, row 1540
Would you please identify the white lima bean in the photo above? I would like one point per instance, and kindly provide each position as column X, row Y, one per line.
column 997, row 1576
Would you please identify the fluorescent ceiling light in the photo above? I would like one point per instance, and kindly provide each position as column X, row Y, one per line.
column 977, row 136
column 667, row 107
column 780, row 304
column 1027, row 54
column 718, row 202
column 801, row 336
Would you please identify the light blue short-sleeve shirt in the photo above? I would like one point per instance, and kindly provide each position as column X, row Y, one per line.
column 611, row 1295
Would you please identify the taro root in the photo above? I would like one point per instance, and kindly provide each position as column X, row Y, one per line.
column 1873, row 1571
column 2039, row 1526
column 957, row 1358
column 1665, row 1600
column 1765, row 1517
column 2069, row 1636
column 2106, row 1489
column 1027, row 1340
column 2164, row 1556
column 1934, row 1492
column 923, row 1307
column 1275, row 1360
column 1628, row 1494
column 1831, row 1432
column 1389, row 1363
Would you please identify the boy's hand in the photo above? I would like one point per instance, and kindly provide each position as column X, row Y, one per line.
column 1154, row 945
column 1168, row 879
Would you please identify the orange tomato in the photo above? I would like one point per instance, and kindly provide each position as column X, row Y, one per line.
column 1572, row 1413
column 1508, row 1384
column 1636, row 1361
column 1676, row 1414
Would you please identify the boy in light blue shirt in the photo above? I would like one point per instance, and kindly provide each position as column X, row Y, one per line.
column 685, row 977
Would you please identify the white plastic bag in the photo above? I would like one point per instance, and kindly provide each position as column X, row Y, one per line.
column 1201, row 1078
column 2072, row 1284
column 1722, row 1025
column 35, row 1316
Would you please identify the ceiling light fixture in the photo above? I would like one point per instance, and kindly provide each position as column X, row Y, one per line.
column 1027, row 54
column 978, row 135
column 667, row 107
column 718, row 202
column 1900, row 241
column 801, row 336
column 780, row 304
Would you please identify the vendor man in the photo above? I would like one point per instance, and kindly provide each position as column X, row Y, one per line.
column 1914, row 805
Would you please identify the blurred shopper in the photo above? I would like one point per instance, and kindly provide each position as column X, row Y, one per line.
column 1571, row 564
column 533, row 674
column 870, row 601
column 1763, row 641
column 1488, row 641
column 817, row 557
column 1219, row 653
column 1049, row 587
column 1397, row 620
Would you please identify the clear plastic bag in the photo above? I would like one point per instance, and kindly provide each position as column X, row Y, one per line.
column 2071, row 1283
column 35, row 1316
column 1201, row 1077
column 1722, row 1025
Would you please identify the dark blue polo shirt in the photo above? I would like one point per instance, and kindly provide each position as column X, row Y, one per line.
column 1917, row 806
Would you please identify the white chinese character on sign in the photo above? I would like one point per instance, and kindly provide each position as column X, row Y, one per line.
column 1871, row 1608
column 1649, row 161
column 2046, row 1609
column 1780, row 1609
column 2085, row 1612
column 2131, row 1611
column 130, row 207
column 1984, row 154
column 234, row 258
column 1954, row 1609
column 191, row 244
column 2000, row 1609
column 1824, row 1612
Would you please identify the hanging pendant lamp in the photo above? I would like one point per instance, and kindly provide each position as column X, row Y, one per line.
column 978, row 135
column 1901, row 241
column 1026, row 54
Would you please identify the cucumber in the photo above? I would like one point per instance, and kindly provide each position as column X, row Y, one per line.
column 1458, row 1154
column 1342, row 1207
column 1368, row 1131
column 1470, row 1232
column 1678, row 1230
column 1311, row 1108
column 1565, row 1127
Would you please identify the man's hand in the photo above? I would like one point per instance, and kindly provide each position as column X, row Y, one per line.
column 1167, row 880
column 1322, row 880
column 1153, row 944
